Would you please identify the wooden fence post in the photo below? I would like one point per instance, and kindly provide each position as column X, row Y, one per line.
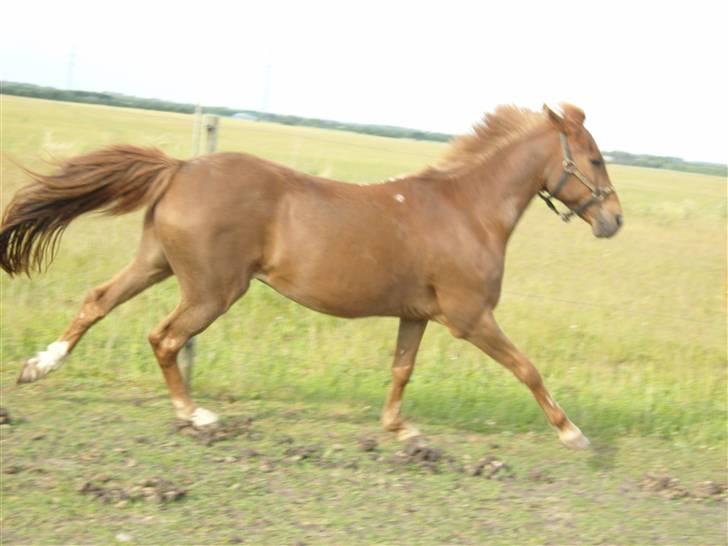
column 186, row 357
column 211, row 125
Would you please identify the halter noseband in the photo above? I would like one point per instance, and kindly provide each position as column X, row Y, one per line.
column 597, row 194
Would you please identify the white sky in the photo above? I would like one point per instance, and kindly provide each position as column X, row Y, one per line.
column 651, row 76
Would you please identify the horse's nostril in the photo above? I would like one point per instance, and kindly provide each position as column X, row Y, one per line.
column 618, row 219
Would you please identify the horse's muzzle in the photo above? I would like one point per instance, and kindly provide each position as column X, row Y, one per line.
column 605, row 224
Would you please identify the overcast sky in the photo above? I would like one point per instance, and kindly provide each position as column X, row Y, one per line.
column 651, row 76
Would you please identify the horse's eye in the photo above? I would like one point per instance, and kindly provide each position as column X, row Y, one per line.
column 596, row 162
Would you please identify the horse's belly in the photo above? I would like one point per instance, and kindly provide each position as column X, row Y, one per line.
column 352, row 296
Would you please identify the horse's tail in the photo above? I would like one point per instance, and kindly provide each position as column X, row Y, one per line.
column 113, row 180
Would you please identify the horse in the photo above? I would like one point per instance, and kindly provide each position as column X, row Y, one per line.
column 425, row 247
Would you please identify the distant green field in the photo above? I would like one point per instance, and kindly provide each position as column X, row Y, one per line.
column 629, row 333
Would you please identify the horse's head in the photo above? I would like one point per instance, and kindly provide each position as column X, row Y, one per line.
column 577, row 176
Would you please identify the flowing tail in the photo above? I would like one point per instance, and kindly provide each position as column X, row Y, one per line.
column 114, row 180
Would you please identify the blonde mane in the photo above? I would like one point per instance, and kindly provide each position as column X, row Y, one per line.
column 497, row 130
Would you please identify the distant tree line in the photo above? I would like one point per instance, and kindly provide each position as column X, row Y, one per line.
column 672, row 163
column 118, row 99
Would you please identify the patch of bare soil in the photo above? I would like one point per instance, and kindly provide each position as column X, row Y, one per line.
column 5, row 417
column 491, row 468
column 419, row 454
column 211, row 434
column 367, row 443
column 152, row 489
column 671, row 488
column 304, row 452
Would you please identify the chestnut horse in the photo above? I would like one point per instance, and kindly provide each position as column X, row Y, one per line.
column 426, row 247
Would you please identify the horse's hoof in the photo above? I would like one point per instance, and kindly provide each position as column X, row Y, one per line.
column 203, row 418
column 44, row 362
column 408, row 432
column 573, row 438
column 30, row 372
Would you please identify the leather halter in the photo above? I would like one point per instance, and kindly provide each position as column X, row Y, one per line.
column 570, row 169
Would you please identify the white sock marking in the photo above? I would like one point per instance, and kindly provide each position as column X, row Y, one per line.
column 50, row 359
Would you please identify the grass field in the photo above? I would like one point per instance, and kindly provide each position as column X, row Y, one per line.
column 629, row 333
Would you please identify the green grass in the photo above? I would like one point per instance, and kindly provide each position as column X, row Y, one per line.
column 630, row 335
column 344, row 496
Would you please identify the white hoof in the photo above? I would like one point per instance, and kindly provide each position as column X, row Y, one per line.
column 203, row 418
column 407, row 433
column 573, row 438
column 44, row 362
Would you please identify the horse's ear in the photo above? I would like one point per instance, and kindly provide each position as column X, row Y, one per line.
column 556, row 116
column 573, row 114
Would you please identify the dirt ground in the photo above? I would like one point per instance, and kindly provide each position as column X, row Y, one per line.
column 97, row 466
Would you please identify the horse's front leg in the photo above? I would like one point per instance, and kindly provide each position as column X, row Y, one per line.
column 408, row 341
column 488, row 336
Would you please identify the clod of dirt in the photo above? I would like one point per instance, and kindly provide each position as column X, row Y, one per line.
column 664, row 485
column 214, row 433
column 422, row 452
column 300, row 453
column 266, row 466
column 5, row 417
column 367, row 443
column 106, row 495
column 418, row 453
column 708, row 489
column 490, row 468
column 540, row 476
column 151, row 489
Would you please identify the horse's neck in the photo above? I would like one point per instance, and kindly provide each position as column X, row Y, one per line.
column 500, row 189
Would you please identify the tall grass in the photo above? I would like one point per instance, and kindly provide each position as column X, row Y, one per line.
column 629, row 333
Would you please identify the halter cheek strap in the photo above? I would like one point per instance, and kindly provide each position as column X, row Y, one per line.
column 570, row 169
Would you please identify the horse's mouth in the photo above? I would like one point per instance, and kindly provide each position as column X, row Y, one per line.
column 605, row 227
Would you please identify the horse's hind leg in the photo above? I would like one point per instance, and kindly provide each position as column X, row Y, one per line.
column 203, row 300
column 149, row 267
